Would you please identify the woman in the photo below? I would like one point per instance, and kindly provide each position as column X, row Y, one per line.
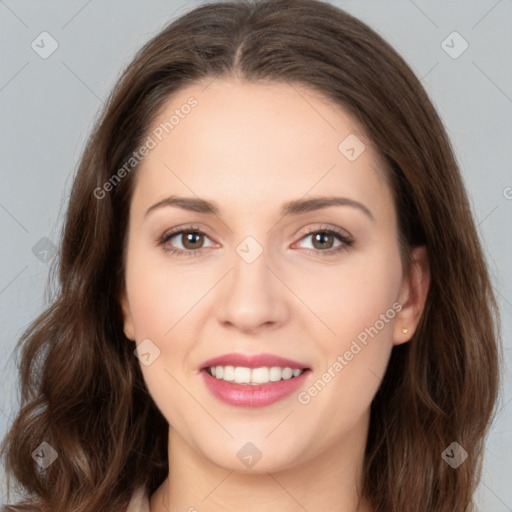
column 201, row 356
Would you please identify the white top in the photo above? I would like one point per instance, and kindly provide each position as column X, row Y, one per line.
column 139, row 501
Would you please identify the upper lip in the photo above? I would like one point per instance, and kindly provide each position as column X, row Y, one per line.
column 253, row 361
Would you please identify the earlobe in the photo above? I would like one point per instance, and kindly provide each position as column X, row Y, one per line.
column 413, row 296
column 128, row 328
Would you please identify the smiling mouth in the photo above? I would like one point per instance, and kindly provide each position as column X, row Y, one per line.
column 253, row 376
column 262, row 388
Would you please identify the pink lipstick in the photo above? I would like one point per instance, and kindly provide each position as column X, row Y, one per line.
column 261, row 379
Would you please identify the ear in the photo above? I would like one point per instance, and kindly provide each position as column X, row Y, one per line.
column 128, row 327
column 412, row 297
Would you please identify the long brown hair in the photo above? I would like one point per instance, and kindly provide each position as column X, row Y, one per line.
column 82, row 390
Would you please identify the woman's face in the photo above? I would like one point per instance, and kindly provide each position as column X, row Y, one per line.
column 322, row 287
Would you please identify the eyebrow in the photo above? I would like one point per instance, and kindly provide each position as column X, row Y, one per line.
column 294, row 207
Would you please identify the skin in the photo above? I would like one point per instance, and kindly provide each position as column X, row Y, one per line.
column 249, row 148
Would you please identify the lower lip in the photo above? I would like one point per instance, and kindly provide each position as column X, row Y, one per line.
column 248, row 395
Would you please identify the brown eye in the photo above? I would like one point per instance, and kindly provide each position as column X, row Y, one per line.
column 322, row 239
column 192, row 239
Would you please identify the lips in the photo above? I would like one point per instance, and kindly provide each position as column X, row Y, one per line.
column 245, row 395
column 253, row 361
column 249, row 395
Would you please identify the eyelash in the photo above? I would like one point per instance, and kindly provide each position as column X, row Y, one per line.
column 347, row 241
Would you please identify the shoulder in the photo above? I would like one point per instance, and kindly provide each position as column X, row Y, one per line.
column 139, row 501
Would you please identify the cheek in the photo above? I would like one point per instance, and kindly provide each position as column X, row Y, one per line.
column 355, row 335
column 158, row 303
column 152, row 296
column 356, row 303
column 160, row 291
column 350, row 297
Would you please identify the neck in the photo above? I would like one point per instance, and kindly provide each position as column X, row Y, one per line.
column 330, row 481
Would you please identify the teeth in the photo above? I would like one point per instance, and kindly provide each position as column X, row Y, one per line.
column 253, row 376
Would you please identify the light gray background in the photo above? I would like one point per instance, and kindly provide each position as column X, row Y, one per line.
column 48, row 107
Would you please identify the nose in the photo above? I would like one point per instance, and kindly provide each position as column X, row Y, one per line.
column 252, row 297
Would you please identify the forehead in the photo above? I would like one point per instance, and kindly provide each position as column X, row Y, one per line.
column 248, row 144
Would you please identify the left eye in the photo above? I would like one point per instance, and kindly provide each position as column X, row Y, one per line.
column 326, row 237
